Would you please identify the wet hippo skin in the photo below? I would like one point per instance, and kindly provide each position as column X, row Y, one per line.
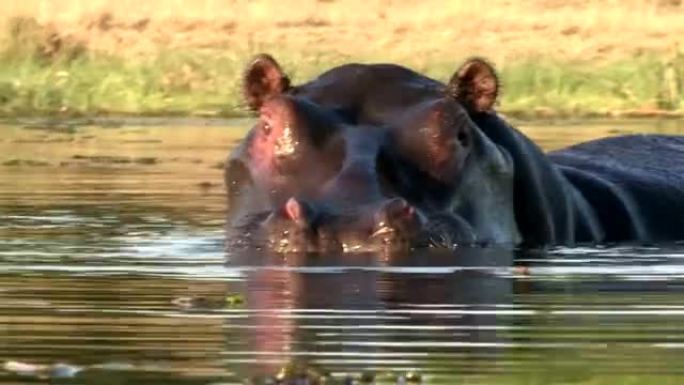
column 634, row 183
column 542, row 208
column 448, row 152
column 305, row 180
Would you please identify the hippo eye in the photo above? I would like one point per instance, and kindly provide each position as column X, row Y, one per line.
column 462, row 138
column 266, row 128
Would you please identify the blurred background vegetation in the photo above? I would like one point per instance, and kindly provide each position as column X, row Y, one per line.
column 185, row 57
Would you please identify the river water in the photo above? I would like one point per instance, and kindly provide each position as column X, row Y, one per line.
column 113, row 271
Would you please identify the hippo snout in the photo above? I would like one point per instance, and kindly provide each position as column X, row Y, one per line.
column 391, row 225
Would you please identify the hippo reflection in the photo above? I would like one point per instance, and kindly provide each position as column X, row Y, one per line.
column 330, row 318
column 336, row 150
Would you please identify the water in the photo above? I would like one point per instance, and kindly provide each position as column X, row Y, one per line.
column 113, row 271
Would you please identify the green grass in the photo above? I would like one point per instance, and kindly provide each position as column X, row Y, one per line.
column 641, row 83
column 167, row 84
column 195, row 83
column 44, row 73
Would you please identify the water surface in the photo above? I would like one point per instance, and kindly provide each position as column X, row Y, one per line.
column 113, row 271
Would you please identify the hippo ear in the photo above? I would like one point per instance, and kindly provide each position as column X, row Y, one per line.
column 263, row 79
column 475, row 85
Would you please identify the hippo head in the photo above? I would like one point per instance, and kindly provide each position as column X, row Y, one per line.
column 427, row 151
column 390, row 226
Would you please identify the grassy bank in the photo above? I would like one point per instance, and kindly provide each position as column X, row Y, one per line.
column 198, row 83
column 555, row 58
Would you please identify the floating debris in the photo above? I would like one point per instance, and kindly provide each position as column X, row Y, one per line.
column 205, row 187
column 52, row 127
column 231, row 301
column 367, row 378
column 115, row 159
column 235, row 301
column 414, row 378
column 58, row 370
column 25, row 163
column 145, row 160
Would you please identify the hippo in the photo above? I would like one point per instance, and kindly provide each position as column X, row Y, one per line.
column 447, row 168
column 450, row 152
column 303, row 180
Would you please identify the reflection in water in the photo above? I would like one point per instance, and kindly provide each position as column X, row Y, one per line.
column 113, row 271
column 376, row 316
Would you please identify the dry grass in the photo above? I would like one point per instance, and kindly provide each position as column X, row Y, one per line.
column 409, row 31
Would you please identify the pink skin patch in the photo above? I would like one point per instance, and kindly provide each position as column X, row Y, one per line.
column 284, row 160
column 293, row 210
column 273, row 140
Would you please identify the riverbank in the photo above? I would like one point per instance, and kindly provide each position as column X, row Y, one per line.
column 556, row 59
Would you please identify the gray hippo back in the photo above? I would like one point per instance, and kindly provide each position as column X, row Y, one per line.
column 634, row 183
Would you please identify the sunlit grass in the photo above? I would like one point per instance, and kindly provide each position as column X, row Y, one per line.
column 636, row 84
column 191, row 82
column 168, row 83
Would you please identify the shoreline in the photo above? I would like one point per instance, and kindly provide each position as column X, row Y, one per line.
column 121, row 120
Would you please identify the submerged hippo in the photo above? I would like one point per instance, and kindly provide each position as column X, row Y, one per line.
column 305, row 180
column 449, row 152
